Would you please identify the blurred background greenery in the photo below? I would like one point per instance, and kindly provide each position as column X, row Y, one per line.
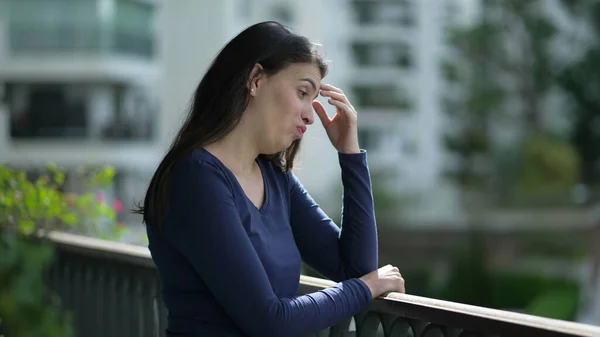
column 30, row 208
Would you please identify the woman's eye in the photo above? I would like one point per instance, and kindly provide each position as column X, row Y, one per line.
column 303, row 93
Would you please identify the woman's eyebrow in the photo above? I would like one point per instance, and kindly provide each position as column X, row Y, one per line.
column 312, row 83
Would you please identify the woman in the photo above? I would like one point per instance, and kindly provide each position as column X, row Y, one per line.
column 228, row 222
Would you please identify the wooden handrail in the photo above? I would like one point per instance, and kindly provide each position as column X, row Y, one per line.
column 411, row 306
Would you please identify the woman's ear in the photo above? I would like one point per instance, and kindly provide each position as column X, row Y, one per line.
column 256, row 76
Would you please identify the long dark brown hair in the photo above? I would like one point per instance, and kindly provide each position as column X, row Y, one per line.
column 221, row 98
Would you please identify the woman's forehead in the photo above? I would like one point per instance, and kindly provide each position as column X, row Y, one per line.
column 303, row 72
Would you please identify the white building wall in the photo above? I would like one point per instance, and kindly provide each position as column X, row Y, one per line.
column 100, row 69
column 191, row 34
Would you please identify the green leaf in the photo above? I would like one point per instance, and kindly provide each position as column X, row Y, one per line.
column 70, row 219
column 26, row 226
column 59, row 178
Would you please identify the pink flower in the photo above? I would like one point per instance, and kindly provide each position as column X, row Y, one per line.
column 118, row 205
column 101, row 197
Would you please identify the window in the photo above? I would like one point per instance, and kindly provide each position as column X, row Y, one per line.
column 79, row 111
column 368, row 139
column 133, row 116
column 47, row 111
column 382, row 54
column 397, row 12
column 84, row 26
column 133, row 22
column 42, row 26
column 380, row 96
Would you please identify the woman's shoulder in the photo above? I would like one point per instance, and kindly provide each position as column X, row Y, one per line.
column 199, row 159
column 199, row 166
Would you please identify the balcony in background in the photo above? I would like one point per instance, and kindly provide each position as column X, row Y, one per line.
column 383, row 54
column 79, row 111
column 70, row 39
column 74, row 122
column 385, row 12
column 381, row 97
column 82, row 39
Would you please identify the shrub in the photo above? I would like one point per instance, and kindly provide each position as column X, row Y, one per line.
column 29, row 209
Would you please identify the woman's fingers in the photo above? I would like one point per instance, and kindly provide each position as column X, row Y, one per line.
column 331, row 88
column 336, row 94
column 348, row 111
column 321, row 112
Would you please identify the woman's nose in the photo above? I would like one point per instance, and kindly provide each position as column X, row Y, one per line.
column 308, row 116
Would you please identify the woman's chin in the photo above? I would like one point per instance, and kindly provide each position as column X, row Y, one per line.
column 283, row 146
column 275, row 150
column 286, row 145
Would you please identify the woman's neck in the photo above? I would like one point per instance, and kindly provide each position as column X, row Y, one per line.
column 237, row 151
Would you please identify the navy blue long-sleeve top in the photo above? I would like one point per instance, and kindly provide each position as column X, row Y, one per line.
column 229, row 268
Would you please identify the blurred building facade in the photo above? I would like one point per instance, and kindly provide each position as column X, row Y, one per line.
column 395, row 81
column 79, row 82
column 108, row 82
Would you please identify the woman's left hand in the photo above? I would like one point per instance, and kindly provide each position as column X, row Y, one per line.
column 342, row 129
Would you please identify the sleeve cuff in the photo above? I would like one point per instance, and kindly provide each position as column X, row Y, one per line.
column 359, row 158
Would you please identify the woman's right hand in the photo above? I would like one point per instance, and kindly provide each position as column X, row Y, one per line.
column 384, row 280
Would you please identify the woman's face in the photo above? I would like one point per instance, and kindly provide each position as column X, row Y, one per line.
column 282, row 105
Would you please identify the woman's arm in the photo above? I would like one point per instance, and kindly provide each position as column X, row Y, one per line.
column 338, row 254
column 204, row 224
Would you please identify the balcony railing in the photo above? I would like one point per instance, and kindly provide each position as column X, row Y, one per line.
column 112, row 289
column 399, row 13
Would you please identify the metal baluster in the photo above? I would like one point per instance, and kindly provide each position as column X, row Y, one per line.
column 433, row 330
column 66, row 287
column 137, row 303
column 124, row 307
column 87, row 311
column 111, row 305
column 99, row 297
column 78, row 299
column 342, row 329
column 149, row 289
column 367, row 324
column 399, row 328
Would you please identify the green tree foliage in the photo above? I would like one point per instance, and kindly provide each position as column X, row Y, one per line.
column 580, row 80
column 541, row 172
column 29, row 209
column 527, row 36
column 549, row 165
column 472, row 98
column 503, row 68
